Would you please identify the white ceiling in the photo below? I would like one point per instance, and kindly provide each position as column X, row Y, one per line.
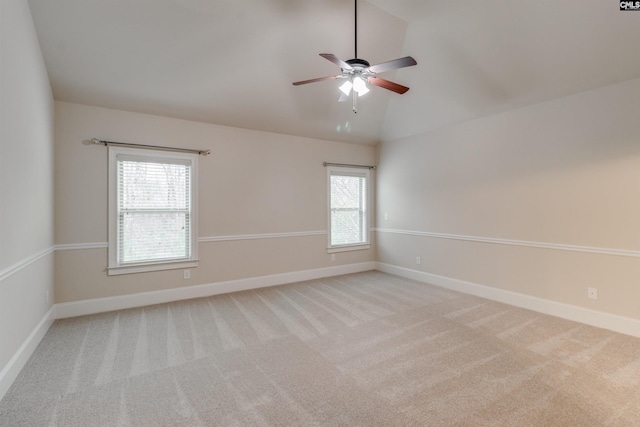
column 232, row 62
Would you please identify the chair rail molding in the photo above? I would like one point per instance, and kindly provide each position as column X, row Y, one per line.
column 513, row 242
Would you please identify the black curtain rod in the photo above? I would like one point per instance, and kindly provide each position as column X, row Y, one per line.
column 151, row 147
column 350, row 166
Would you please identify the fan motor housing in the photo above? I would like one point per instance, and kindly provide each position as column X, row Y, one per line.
column 358, row 63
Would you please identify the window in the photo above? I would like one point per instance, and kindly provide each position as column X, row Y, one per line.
column 348, row 213
column 152, row 210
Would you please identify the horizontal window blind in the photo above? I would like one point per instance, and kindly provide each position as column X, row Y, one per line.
column 153, row 209
column 348, row 201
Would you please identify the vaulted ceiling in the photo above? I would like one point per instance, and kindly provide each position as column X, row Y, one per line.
column 232, row 62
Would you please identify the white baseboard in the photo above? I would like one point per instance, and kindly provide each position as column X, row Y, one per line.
column 100, row 305
column 612, row 322
column 10, row 372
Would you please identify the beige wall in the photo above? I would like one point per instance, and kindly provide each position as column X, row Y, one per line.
column 552, row 183
column 253, row 183
column 26, row 180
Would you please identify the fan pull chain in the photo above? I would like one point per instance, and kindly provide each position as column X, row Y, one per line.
column 355, row 97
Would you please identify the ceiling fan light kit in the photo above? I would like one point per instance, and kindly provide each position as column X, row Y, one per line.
column 358, row 85
column 359, row 72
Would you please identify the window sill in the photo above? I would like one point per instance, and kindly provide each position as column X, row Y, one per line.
column 347, row 248
column 156, row 266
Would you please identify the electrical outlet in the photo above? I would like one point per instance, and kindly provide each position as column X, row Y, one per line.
column 386, row 216
column 187, row 274
column 418, row 260
column 592, row 293
column 333, row 257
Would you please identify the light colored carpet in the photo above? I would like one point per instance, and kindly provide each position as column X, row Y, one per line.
column 367, row 349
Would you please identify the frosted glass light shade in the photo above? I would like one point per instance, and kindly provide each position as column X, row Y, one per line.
column 346, row 87
column 360, row 86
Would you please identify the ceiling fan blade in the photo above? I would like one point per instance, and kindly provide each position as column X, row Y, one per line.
column 407, row 61
column 386, row 84
column 339, row 62
column 319, row 79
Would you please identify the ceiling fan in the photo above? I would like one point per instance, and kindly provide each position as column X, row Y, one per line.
column 358, row 72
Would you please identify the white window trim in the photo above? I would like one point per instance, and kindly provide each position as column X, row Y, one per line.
column 113, row 268
column 352, row 246
column 346, row 248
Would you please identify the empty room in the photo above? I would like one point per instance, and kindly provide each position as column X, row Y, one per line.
column 319, row 213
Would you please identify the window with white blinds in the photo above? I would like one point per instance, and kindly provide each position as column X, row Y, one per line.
column 348, row 213
column 152, row 210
